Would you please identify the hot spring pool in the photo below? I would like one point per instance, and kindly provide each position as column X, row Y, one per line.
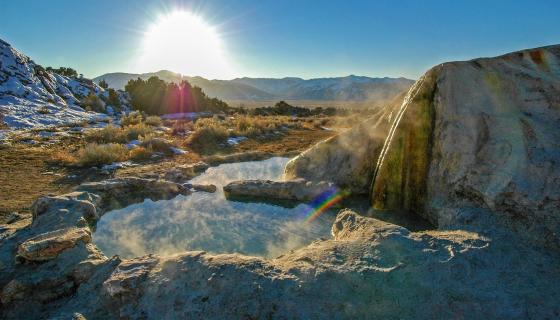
column 209, row 222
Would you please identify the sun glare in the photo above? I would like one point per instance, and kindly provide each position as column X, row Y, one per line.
column 183, row 42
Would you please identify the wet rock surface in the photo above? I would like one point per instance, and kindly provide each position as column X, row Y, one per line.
column 296, row 190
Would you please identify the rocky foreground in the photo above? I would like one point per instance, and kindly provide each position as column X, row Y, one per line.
column 474, row 148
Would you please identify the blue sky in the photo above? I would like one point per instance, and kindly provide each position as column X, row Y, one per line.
column 286, row 38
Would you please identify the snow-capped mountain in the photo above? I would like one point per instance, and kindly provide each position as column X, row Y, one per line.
column 32, row 96
column 350, row 88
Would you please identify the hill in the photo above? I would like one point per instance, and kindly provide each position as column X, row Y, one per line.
column 350, row 88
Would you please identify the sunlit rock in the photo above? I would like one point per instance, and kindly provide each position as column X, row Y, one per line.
column 480, row 134
column 49, row 245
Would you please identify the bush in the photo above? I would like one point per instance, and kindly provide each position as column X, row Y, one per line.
column 156, row 144
column 131, row 119
column 93, row 103
column 181, row 127
column 109, row 134
column 154, row 121
column 44, row 110
column 112, row 134
column 134, row 132
column 140, row 153
column 206, row 139
column 95, row 154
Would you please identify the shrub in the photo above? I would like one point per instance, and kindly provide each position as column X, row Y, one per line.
column 112, row 134
column 95, row 154
column 207, row 139
column 133, row 132
column 156, row 144
column 140, row 153
column 44, row 110
column 109, row 134
column 64, row 157
column 131, row 119
column 93, row 103
column 181, row 127
column 154, row 121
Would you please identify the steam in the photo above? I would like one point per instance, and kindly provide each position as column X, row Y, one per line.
column 209, row 222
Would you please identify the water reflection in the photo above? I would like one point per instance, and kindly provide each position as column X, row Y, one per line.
column 209, row 222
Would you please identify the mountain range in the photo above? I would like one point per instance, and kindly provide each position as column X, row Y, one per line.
column 349, row 88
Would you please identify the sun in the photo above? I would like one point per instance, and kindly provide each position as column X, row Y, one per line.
column 183, row 42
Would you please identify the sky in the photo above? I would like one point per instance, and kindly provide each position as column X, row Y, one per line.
column 268, row 38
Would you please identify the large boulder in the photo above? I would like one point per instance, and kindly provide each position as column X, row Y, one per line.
column 477, row 143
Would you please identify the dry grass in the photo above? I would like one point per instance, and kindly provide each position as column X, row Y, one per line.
column 140, row 153
column 132, row 118
column 206, row 139
column 109, row 134
column 134, row 132
column 112, row 134
column 95, row 154
column 181, row 127
column 156, row 144
column 153, row 121
column 210, row 132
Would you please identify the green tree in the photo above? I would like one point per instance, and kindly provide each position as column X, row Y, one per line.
column 113, row 98
column 103, row 84
column 155, row 96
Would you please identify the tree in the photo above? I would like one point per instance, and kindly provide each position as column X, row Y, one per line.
column 68, row 72
column 103, row 84
column 155, row 96
column 113, row 99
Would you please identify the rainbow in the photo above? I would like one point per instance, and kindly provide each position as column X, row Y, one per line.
column 323, row 202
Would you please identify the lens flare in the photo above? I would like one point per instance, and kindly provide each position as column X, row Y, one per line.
column 323, row 202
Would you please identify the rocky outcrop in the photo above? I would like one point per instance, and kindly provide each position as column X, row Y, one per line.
column 121, row 192
column 476, row 137
column 468, row 136
column 297, row 190
column 32, row 96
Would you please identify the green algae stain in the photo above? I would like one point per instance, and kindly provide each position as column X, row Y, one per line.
column 401, row 182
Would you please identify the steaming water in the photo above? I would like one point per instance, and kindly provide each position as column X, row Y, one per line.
column 209, row 222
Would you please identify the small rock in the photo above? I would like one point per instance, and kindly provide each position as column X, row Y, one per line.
column 14, row 290
column 49, row 245
column 202, row 187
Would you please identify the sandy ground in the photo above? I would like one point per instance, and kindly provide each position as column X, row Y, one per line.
column 27, row 172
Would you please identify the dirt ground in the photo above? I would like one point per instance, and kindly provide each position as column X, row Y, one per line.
column 28, row 172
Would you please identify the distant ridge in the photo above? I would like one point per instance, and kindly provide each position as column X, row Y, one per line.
column 349, row 88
